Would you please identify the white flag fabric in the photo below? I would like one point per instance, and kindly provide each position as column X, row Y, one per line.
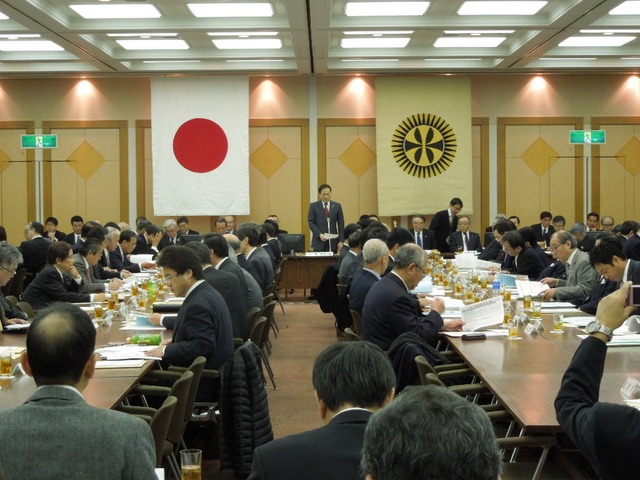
column 200, row 145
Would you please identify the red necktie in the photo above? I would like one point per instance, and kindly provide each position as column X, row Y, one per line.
column 326, row 210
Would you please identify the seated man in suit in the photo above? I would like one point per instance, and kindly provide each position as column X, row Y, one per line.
column 607, row 222
column 249, row 236
column 86, row 262
column 581, row 277
column 607, row 434
column 73, row 439
column 119, row 257
column 558, row 222
column 631, row 246
column 530, row 240
column 203, row 324
column 348, row 230
column 229, row 287
column 34, row 249
column 444, row 222
column 375, row 255
column 183, row 226
column 148, row 239
column 389, row 310
column 585, row 242
column 423, row 236
column 171, row 236
column 221, row 225
column 274, row 218
column 494, row 250
column 59, row 281
column 395, row 240
column 544, row 229
column 353, row 260
column 464, row 239
column 351, row 380
column 525, row 260
column 223, row 254
column 76, row 226
column 10, row 257
column 593, row 219
column 51, row 229
column 428, row 433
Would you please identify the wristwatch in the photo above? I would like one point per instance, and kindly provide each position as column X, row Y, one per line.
column 595, row 326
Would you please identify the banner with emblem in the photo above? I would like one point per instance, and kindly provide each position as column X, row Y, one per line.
column 200, row 145
column 423, row 141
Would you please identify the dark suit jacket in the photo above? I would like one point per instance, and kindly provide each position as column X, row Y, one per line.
column 143, row 247
column 528, row 263
column 631, row 247
column 202, row 327
column 34, row 254
column 9, row 310
column 537, row 229
column 607, row 434
column 442, row 228
column 492, row 251
column 89, row 285
column 70, row 238
column 60, row 236
column 389, row 310
column 261, row 262
column 360, row 286
column 329, row 452
column 164, row 241
column 428, row 238
column 456, row 240
column 114, row 445
column 343, row 253
column 318, row 225
column 554, row 270
column 587, row 243
column 119, row 261
column 603, row 288
column 229, row 266
column 49, row 287
column 229, row 287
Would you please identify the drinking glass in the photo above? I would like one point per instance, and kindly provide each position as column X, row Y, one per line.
column 191, row 462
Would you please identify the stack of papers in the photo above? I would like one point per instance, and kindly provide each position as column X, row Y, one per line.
column 126, row 352
column 530, row 288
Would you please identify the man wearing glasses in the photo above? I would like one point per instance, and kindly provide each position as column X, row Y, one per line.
column 581, row 277
column 390, row 310
column 607, row 223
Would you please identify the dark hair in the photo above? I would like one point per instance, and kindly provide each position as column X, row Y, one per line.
column 60, row 342
column 58, row 250
column 516, row 217
column 251, row 231
column 323, row 186
column 126, row 235
column 152, row 229
column 593, row 214
column 182, row 220
column 545, row 214
column 37, row 226
column 503, row 226
column 91, row 245
column 399, row 236
column 365, row 222
column 356, row 373
column 514, row 239
column 180, row 259
column 350, row 228
column 559, row 218
column 87, row 227
column 99, row 233
column 417, row 215
column 201, row 250
column 429, row 433
column 270, row 227
column 3, row 234
column 112, row 224
column 53, row 220
column 221, row 220
column 217, row 244
column 456, row 201
column 528, row 235
column 76, row 218
column 628, row 226
column 605, row 249
column 143, row 225
column 355, row 239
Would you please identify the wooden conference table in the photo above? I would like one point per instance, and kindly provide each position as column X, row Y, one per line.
column 302, row 271
column 525, row 375
column 106, row 389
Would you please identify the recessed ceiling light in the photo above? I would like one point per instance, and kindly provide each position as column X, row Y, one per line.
column 468, row 42
column 208, row 10
column 248, row 43
column 242, row 34
column 627, row 8
column 595, row 41
column 478, row 32
column 3, row 17
column 566, row 59
column 374, row 42
column 612, row 30
column 369, row 60
column 139, row 35
column 379, row 32
column 501, row 8
column 256, row 60
column 153, row 44
column 29, row 46
column 447, row 60
column 15, row 36
column 116, row 11
column 171, row 61
column 386, row 9
column 630, row 58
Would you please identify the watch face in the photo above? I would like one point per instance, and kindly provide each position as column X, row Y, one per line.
column 593, row 326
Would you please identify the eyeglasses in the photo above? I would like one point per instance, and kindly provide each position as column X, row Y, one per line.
column 168, row 278
column 424, row 272
column 12, row 272
column 607, row 224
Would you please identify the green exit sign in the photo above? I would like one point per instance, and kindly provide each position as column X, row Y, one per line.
column 39, row 141
column 588, row 136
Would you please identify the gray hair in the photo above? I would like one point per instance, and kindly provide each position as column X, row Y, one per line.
column 578, row 228
column 564, row 236
column 112, row 233
column 169, row 223
column 9, row 255
column 374, row 250
column 430, row 433
column 407, row 254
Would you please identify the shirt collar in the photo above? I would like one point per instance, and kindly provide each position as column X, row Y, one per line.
column 373, row 272
column 625, row 277
column 193, row 288
column 403, row 282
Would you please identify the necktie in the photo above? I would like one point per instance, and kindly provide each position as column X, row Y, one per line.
column 419, row 238
column 89, row 275
column 466, row 240
column 326, row 210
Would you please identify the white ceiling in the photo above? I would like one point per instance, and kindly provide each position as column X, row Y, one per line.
column 311, row 32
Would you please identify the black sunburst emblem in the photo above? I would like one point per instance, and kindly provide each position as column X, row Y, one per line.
column 424, row 145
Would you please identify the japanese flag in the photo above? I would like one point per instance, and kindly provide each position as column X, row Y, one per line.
column 200, row 145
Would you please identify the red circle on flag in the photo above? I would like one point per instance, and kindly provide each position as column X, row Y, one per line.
column 200, row 145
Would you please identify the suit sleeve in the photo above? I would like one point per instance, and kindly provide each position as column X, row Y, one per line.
column 257, row 470
column 587, row 278
column 408, row 318
column 340, row 224
column 429, row 240
column 141, row 460
column 85, row 286
column 453, row 244
column 55, row 290
column 312, row 218
column 200, row 337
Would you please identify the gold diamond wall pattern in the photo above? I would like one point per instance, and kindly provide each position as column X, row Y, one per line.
column 358, row 158
column 629, row 156
column 540, row 157
column 268, row 158
column 85, row 160
column 5, row 161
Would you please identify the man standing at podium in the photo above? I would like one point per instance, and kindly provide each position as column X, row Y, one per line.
column 326, row 217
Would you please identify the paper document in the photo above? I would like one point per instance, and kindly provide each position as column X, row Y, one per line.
column 488, row 333
column 555, row 305
column 486, row 265
column 466, row 260
column 140, row 258
column 126, row 352
column 330, row 236
column 482, row 314
column 120, row 363
column 17, row 327
column 529, row 288
column 579, row 322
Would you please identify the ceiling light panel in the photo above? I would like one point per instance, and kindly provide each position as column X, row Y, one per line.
column 248, row 44
column 176, row 44
column 468, row 42
column 627, row 8
column 501, row 8
column 602, row 41
column 242, row 34
column 386, row 9
column 122, row 11
column 3, row 17
column 29, row 46
column 237, row 10
column 374, row 42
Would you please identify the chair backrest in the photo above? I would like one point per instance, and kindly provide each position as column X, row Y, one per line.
column 180, row 390
column 160, row 425
column 256, row 331
column 423, row 368
column 17, row 282
column 253, row 315
column 13, row 300
column 357, row 321
column 27, row 308
column 432, row 379
column 267, row 298
column 197, row 367
column 267, row 312
column 270, row 290
column 350, row 335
